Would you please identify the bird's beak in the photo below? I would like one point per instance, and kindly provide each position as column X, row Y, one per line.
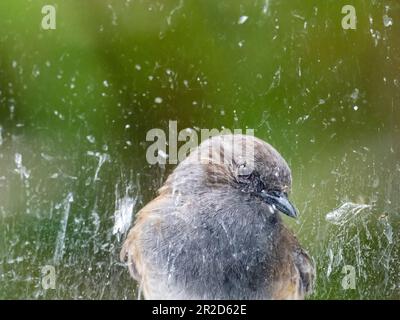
column 280, row 201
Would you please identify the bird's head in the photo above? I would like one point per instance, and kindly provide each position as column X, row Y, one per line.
column 248, row 164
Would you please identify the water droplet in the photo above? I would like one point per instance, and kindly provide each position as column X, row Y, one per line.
column 91, row 138
column 158, row 100
column 18, row 159
column 35, row 71
column 243, row 19
column 354, row 94
column 265, row 7
column 387, row 21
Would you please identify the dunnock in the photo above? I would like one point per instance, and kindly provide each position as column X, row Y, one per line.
column 215, row 232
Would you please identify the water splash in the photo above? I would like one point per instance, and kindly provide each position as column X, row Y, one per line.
column 60, row 244
column 345, row 212
column 387, row 228
column 102, row 157
column 21, row 170
column 124, row 210
column 174, row 11
column 276, row 80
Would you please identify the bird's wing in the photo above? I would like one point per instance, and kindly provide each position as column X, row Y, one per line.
column 305, row 265
column 130, row 251
column 295, row 272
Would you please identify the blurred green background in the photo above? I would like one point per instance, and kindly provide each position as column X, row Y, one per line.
column 76, row 103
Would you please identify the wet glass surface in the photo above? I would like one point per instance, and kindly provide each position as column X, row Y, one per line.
column 76, row 103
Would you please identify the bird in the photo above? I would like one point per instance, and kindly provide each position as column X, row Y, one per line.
column 215, row 230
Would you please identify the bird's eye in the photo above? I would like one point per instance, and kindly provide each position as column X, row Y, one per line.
column 243, row 170
column 285, row 194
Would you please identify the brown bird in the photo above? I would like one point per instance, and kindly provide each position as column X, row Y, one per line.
column 214, row 231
